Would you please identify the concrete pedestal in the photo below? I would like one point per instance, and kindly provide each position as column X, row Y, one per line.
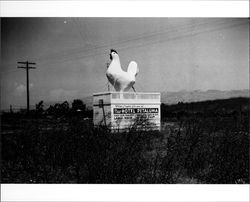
column 124, row 110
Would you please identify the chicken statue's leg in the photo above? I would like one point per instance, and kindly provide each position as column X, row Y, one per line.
column 133, row 89
column 108, row 86
column 114, row 85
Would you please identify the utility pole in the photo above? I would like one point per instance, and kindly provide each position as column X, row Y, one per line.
column 27, row 67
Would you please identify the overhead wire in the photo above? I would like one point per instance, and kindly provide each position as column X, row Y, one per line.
column 145, row 36
column 44, row 62
column 175, row 38
column 75, row 51
column 187, row 34
column 117, row 43
column 100, row 47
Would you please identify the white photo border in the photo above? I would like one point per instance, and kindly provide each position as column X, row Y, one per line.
column 141, row 8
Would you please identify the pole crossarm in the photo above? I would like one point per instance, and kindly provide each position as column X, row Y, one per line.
column 28, row 67
column 31, row 63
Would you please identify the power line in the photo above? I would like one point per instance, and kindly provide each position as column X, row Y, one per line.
column 78, row 50
column 179, row 29
column 27, row 67
column 187, row 34
column 104, row 46
column 117, row 43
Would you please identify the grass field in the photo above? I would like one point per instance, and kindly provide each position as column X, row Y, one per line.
column 199, row 143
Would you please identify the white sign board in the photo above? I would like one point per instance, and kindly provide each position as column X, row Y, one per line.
column 122, row 111
column 125, row 115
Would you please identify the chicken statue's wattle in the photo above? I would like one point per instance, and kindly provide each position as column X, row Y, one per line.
column 121, row 80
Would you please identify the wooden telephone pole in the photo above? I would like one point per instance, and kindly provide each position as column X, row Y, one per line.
column 27, row 67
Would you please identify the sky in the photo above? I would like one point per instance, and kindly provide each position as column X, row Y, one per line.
column 172, row 54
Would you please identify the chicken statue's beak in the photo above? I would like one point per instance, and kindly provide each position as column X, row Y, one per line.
column 110, row 56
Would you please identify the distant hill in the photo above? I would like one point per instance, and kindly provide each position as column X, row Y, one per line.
column 223, row 106
column 190, row 96
column 181, row 96
column 196, row 96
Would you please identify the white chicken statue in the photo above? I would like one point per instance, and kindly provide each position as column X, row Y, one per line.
column 121, row 80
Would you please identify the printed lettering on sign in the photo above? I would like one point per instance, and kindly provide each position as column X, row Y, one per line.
column 135, row 110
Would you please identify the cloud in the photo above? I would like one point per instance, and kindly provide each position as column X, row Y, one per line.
column 62, row 95
column 20, row 89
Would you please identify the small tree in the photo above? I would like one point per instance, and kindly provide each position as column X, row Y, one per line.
column 39, row 108
column 62, row 109
column 77, row 105
column 59, row 109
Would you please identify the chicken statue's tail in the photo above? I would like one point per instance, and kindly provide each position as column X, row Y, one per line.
column 133, row 68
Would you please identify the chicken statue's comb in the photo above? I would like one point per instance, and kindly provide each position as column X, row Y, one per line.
column 113, row 50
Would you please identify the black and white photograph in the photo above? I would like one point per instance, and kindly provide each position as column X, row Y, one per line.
column 125, row 100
